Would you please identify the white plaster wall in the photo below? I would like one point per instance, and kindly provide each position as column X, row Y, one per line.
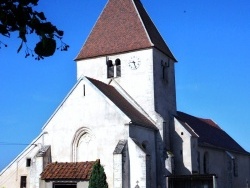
column 11, row 175
column 147, row 137
column 94, row 68
column 93, row 111
column 117, row 170
column 138, row 83
column 83, row 184
column 218, row 164
column 137, row 165
column 182, row 150
column 164, row 88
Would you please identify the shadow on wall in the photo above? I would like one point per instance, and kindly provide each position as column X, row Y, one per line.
column 179, row 156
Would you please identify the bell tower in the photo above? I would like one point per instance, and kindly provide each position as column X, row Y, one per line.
column 125, row 46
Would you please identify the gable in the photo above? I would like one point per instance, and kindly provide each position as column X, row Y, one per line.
column 123, row 26
column 127, row 108
column 210, row 134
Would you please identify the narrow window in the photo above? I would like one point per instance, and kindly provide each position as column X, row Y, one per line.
column 84, row 90
column 164, row 66
column 118, row 67
column 198, row 160
column 23, row 182
column 235, row 167
column 28, row 162
column 110, row 69
column 206, row 163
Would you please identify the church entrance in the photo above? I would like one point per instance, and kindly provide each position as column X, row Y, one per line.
column 64, row 186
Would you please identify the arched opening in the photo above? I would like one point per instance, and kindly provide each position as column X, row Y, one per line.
column 84, row 147
column 118, row 67
column 110, row 69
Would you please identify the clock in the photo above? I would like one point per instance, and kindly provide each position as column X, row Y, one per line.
column 134, row 62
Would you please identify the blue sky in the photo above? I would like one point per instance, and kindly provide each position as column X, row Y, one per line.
column 209, row 38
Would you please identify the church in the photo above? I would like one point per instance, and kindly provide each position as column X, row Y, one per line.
column 122, row 113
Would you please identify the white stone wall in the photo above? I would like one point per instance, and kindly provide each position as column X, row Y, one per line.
column 11, row 175
column 164, row 85
column 117, row 170
column 138, row 83
column 155, row 95
column 219, row 165
column 95, row 112
column 137, row 165
column 146, row 138
column 182, row 150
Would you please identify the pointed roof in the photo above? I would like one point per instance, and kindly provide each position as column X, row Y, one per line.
column 123, row 26
column 210, row 134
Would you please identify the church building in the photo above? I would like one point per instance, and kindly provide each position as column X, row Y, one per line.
column 122, row 113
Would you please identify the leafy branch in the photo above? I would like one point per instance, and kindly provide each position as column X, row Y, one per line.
column 19, row 16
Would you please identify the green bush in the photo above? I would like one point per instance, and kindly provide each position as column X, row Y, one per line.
column 98, row 177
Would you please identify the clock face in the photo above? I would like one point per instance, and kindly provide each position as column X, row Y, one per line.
column 134, row 62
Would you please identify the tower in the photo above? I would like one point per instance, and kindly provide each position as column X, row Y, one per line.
column 125, row 46
column 126, row 50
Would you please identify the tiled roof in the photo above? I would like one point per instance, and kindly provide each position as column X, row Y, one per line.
column 210, row 133
column 127, row 108
column 68, row 171
column 123, row 26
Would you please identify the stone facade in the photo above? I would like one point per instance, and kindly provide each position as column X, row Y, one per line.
column 122, row 110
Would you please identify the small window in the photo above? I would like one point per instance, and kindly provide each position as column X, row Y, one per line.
column 23, row 182
column 118, row 67
column 235, row 167
column 206, row 163
column 28, row 162
column 110, row 69
column 164, row 65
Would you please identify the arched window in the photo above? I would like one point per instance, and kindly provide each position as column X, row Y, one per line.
column 118, row 67
column 206, row 163
column 84, row 146
column 110, row 69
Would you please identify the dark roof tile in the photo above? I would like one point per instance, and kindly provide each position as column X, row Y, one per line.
column 123, row 26
column 210, row 133
column 68, row 171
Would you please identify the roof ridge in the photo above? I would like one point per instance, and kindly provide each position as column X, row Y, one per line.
column 129, row 98
column 211, row 134
column 123, row 104
column 145, row 29
column 123, row 26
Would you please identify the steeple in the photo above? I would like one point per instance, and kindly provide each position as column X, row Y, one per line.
column 123, row 26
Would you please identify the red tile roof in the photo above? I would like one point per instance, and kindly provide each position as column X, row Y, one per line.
column 127, row 108
column 68, row 171
column 123, row 26
column 210, row 134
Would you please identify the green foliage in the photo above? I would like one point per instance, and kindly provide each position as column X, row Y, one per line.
column 98, row 177
column 19, row 16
